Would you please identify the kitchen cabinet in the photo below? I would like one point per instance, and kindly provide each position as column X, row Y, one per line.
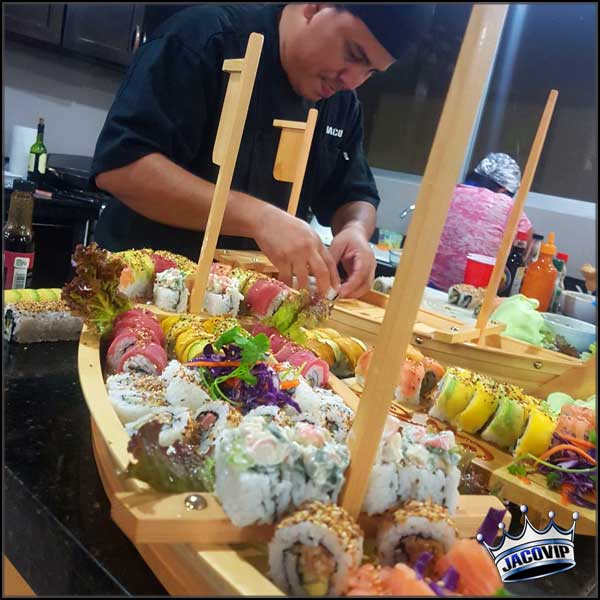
column 111, row 32
column 41, row 22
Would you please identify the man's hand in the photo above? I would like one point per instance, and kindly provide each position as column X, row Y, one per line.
column 351, row 247
column 295, row 249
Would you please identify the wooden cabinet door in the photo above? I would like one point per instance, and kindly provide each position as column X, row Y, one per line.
column 111, row 32
column 38, row 21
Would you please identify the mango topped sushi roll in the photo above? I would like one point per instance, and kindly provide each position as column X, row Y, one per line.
column 480, row 408
column 508, row 422
column 454, row 392
column 136, row 278
column 537, row 435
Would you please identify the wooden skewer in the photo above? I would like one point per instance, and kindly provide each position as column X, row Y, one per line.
column 225, row 152
column 443, row 168
column 292, row 154
column 513, row 218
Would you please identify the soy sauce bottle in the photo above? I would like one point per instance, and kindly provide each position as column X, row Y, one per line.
column 19, row 244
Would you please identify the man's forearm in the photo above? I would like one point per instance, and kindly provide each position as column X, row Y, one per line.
column 358, row 214
column 162, row 191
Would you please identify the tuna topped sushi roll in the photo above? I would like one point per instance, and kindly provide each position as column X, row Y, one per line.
column 147, row 358
column 508, row 422
column 314, row 549
column 265, row 296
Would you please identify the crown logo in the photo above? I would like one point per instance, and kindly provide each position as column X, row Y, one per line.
column 533, row 554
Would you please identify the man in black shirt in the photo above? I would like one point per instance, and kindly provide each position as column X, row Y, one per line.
column 155, row 151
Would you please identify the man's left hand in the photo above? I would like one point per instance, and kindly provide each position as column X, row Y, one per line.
column 351, row 247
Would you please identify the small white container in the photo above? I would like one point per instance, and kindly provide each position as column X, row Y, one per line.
column 579, row 306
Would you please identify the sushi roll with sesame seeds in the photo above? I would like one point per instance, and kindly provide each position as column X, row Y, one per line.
column 314, row 550
column 415, row 528
column 508, row 422
column 27, row 322
column 184, row 386
column 134, row 396
column 136, row 278
column 453, row 394
column 176, row 424
column 335, row 415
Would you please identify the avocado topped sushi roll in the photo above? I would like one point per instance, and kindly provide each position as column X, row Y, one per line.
column 508, row 422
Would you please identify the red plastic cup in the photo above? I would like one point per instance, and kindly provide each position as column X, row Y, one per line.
column 478, row 270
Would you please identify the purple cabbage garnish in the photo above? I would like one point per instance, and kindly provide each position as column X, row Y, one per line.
column 489, row 527
column 437, row 590
column 450, row 578
column 421, row 564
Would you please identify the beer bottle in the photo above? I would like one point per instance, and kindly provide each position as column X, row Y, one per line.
column 19, row 245
column 38, row 156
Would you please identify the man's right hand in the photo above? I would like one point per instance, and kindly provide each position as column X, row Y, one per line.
column 295, row 249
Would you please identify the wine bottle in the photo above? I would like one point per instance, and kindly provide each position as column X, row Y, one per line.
column 38, row 156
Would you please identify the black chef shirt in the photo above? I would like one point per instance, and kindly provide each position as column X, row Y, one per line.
column 170, row 102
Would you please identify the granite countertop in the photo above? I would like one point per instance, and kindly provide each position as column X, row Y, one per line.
column 57, row 530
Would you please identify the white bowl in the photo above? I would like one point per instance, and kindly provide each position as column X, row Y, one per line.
column 577, row 333
column 579, row 306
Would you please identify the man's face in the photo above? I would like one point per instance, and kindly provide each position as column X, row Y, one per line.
column 330, row 51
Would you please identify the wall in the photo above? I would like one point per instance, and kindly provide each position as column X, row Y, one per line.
column 573, row 221
column 73, row 96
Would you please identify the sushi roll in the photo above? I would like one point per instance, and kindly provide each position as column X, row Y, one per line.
column 136, row 278
column 223, row 296
column 124, row 341
column 136, row 396
column 192, row 335
column 434, row 372
column 336, row 416
column 465, row 295
column 537, row 435
column 170, row 292
column 27, row 322
column 184, row 386
column 210, row 421
column 139, row 319
column 481, row 407
column 246, row 278
column 383, row 490
column 250, row 465
column 318, row 473
column 272, row 413
column 172, row 260
column 220, row 269
column 309, row 402
column 176, row 424
column 508, row 422
column 265, row 296
column 149, row 358
column 411, row 377
column 314, row 370
column 314, row 550
column 453, row 394
column 415, row 528
column 383, row 284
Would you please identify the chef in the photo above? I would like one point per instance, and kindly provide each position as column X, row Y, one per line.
column 154, row 153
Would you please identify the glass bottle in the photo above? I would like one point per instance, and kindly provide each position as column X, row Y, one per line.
column 38, row 156
column 19, row 243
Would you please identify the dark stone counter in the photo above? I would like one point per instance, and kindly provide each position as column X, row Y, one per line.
column 57, row 529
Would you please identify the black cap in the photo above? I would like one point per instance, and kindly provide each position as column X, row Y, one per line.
column 397, row 27
column 22, row 185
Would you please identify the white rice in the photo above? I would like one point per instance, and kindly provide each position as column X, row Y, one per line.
column 140, row 364
column 184, row 386
column 227, row 303
column 175, row 423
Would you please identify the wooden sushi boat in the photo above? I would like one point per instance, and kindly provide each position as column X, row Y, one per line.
column 187, row 539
